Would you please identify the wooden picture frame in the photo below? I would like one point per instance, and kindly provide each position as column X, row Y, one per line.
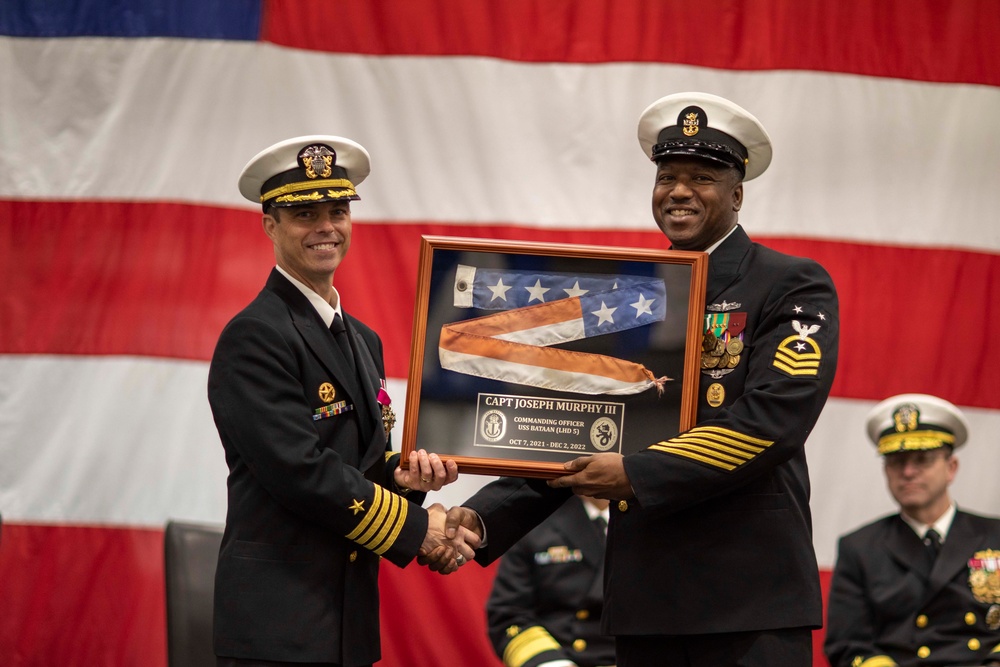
column 525, row 355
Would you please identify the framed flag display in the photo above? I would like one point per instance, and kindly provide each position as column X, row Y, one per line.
column 526, row 355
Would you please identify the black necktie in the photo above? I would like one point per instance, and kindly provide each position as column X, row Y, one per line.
column 601, row 524
column 340, row 334
column 932, row 540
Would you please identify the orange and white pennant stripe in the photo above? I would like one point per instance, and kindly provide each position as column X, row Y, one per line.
column 514, row 346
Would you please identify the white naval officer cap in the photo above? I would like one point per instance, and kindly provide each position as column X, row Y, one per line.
column 305, row 170
column 705, row 126
column 910, row 422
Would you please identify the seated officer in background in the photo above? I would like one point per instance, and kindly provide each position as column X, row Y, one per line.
column 921, row 587
column 545, row 607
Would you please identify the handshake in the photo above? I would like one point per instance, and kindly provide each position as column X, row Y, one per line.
column 454, row 535
column 452, row 538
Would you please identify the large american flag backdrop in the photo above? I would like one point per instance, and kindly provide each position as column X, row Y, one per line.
column 125, row 246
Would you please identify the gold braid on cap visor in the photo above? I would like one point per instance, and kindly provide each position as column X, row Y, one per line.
column 289, row 188
column 914, row 441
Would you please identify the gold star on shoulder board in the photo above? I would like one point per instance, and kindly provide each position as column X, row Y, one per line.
column 513, row 630
column 357, row 506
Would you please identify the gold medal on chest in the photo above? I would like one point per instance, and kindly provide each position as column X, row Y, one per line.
column 327, row 393
column 984, row 580
column 715, row 395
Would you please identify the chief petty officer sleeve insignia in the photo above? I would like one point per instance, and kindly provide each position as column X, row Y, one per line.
column 379, row 526
column 800, row 351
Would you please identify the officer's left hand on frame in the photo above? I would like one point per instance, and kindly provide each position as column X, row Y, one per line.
column 427, row 472
column 598, row 476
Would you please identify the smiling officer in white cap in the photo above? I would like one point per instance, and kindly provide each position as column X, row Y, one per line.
column 710, row 556
column 298, row 391
column 921, row 587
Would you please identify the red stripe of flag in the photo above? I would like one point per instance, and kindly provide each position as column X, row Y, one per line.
column 925, row 40
column 167, row 286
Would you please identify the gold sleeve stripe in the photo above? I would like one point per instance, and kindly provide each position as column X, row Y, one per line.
column 389, row 455
column 368, row 516
column 381, row 527
column 706, row 450
column 735, row 435
column 716, row 446
column 696, row 457
column 390, row 531
column 734, row 447
column 377, row 526
column 396, row 527
column 382, row 523
column 879, row 661
column 527, row 644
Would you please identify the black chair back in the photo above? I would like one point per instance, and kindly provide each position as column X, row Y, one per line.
column 191, row 551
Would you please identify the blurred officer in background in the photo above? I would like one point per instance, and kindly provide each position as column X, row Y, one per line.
column 545, row 607
column 921, row 587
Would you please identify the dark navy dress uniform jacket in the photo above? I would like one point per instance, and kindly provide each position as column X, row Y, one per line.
column 310, row 503
column 719, row 536
column 547, row 597
column 890, row 606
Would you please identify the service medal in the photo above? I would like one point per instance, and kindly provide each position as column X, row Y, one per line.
column 385, row 403
column 993, row 617
column 722, row 341
column 984, row 578
column 715, row 395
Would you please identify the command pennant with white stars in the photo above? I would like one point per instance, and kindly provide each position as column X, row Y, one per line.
column 504, row 289
column 514, row 346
